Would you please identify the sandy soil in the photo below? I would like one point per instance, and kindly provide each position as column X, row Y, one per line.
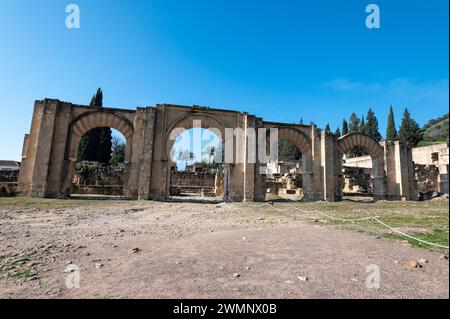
column 188, row 250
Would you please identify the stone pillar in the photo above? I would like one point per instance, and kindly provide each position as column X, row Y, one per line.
column 260, row 172
column 35, row 169
column 327, row 161
column 250, row 157
column 399, row 172
column 379, row 180
column 237, row 182
column 142, row 154
column 315, row 180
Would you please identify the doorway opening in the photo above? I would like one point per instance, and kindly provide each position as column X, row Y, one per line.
column 284, row 176
column 100, row 170
column 357, row 176
column 197, row 171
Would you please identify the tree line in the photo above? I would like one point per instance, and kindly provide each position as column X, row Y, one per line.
column 409, row 130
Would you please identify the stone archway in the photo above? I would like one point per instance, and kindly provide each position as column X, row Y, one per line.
column 182, row 124
column 303, row 143
column 86, row 122
column 206, row 121
column 50, row 149
column 376, row 152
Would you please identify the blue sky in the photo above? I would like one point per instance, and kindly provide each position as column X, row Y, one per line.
column 281, row 60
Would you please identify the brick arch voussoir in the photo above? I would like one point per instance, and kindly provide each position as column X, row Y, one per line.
column 296, row 137
column 366, row 142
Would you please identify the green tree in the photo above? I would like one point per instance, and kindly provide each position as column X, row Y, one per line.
column 287, row 151
column 327, row 128
column 362, row 125
column 371, row 126
column 391, row 131
column 337, row 132
column 354, row 124
column 96, row 144
column 118, row 152
column 344, row 127
column 409, row 131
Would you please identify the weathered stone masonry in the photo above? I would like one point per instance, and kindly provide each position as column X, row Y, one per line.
column 50, row 151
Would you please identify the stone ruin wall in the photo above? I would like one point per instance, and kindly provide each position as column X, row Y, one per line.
column 207, row 183
column 427, row 178
column 8, row 182
column 96, row 178
column 192, row 180
column 357, row 180
column 9, row 176
column 284, row 184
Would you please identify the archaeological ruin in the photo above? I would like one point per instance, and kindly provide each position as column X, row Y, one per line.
column 50, row 153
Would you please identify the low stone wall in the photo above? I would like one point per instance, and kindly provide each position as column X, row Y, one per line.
column 190, row 180
column 96, row 174
column 9, row 176
column 95, row 178
column 8, row 182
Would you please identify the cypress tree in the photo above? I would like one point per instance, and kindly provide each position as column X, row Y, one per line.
column 371, row 127
column 327, row 128
column 362, row 125
column 409, row 131
column 337, row 132
column 354, row 123
column 344, row 127
column 391, row 131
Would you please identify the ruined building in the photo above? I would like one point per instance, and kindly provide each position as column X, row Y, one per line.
column 50, row 152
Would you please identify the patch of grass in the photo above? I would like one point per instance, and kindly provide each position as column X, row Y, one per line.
column 25, row 274
column 436, row 236
column 425, row 220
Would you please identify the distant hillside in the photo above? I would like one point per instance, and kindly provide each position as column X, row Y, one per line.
column 436, row 130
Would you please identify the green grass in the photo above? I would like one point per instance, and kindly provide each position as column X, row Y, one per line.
column 16, row 268
column 427, row 220
column 436, row 236
column 25, row 274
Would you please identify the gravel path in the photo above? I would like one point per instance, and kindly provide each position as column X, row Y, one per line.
column 182, row 250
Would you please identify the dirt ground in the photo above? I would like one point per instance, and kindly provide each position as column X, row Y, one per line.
column 127, row 249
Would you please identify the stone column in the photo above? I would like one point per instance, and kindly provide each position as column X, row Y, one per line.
column 399, row 169
column 327, row 162
column 316, row 182
column 307, row 177
column 379, row 192
column 142, row 154
column 34, row 173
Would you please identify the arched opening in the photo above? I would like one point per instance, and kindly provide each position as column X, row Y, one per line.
column 288, row 177
column 100, row 168
column 196, row 165
column 284, row 176
column 361, row 176
column 113, row 134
